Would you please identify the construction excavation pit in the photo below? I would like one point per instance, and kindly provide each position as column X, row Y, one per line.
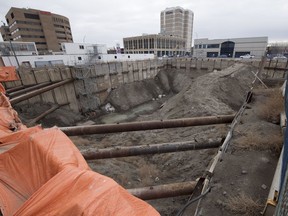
column 189, row 137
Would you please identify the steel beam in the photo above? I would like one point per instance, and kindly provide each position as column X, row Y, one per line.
column 163, row 191
column 38, row 91
column 25, row 90
column 149, row 149
column 146, row 125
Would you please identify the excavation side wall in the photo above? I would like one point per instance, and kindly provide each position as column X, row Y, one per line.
column 92, row 83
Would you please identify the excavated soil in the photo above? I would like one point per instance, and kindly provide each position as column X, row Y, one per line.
column 185, row 94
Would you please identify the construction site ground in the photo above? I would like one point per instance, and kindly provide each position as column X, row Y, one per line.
column 247, row 169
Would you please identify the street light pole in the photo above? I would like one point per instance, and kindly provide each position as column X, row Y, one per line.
column 14, row 54
column 12, row 48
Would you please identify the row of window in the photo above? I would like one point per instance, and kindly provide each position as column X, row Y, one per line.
column 63, row 32
column 150, row 43
column 24, row 22
column 26, row 29
column 55, row 19
column 61, row 38
column 61, row 26
column 32, row 36
column 19, row 47
column 60, row 32
column 206, row 46
column 31, row 16
column 31, row 29
column 41, row 43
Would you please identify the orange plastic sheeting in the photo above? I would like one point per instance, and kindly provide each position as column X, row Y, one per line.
column 2, row 89
column 45, row 174
column 9, row 141
column 8, row 74
column 9, row 120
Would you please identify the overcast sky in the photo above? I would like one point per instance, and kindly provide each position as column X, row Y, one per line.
column 108, row 21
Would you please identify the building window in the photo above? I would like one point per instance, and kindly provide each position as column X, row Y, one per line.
column 31, row 16
column 12, row 15
column 152, row 43
column 212, row 46
column 99, row 57
column 134, row 44
column 115, row 57
column 79, row 58
column 145, row 43
column 128, row 56
column 140, row 44
column 81, row 46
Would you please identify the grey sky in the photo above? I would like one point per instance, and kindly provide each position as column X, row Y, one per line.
column 107, row 22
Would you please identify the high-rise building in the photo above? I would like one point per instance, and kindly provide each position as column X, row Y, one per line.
column 46, row 29
column 178, row 22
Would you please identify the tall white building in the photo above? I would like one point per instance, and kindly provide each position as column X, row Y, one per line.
column 178, row 22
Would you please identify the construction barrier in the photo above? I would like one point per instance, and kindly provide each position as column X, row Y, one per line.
column 282, row 206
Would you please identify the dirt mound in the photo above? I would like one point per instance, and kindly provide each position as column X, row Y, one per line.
column 167, row 81
column 219, row 92
column 130, row 95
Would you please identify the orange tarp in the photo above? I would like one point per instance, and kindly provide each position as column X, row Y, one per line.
column 2, row 89
column 43, row 173
column 8, row 74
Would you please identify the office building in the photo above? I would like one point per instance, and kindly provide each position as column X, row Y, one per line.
column 6, row 35
column 230, row 48
column 178, row 22
column 157, row 44
column 46, row 29
column 9, row 48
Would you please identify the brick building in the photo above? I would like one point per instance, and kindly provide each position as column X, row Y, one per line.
column 46, row 29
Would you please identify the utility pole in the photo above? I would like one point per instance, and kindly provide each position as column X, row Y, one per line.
column 14, row 54
column 12, row 48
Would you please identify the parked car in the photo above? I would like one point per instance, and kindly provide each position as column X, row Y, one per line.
column 280, row 57
column 247, row 56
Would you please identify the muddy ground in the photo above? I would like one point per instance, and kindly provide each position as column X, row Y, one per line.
column 246, row 166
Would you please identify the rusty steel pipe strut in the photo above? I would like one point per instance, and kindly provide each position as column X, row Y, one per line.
column 163, row 191
column 25, row 90
column 42, row 115
column 146, row 125
column 149, row 149
column 38, row 91
column 10, row 90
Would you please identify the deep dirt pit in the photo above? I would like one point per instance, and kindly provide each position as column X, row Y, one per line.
column 187, row 94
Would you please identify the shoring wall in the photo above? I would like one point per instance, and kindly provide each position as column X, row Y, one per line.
column 93, row 83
